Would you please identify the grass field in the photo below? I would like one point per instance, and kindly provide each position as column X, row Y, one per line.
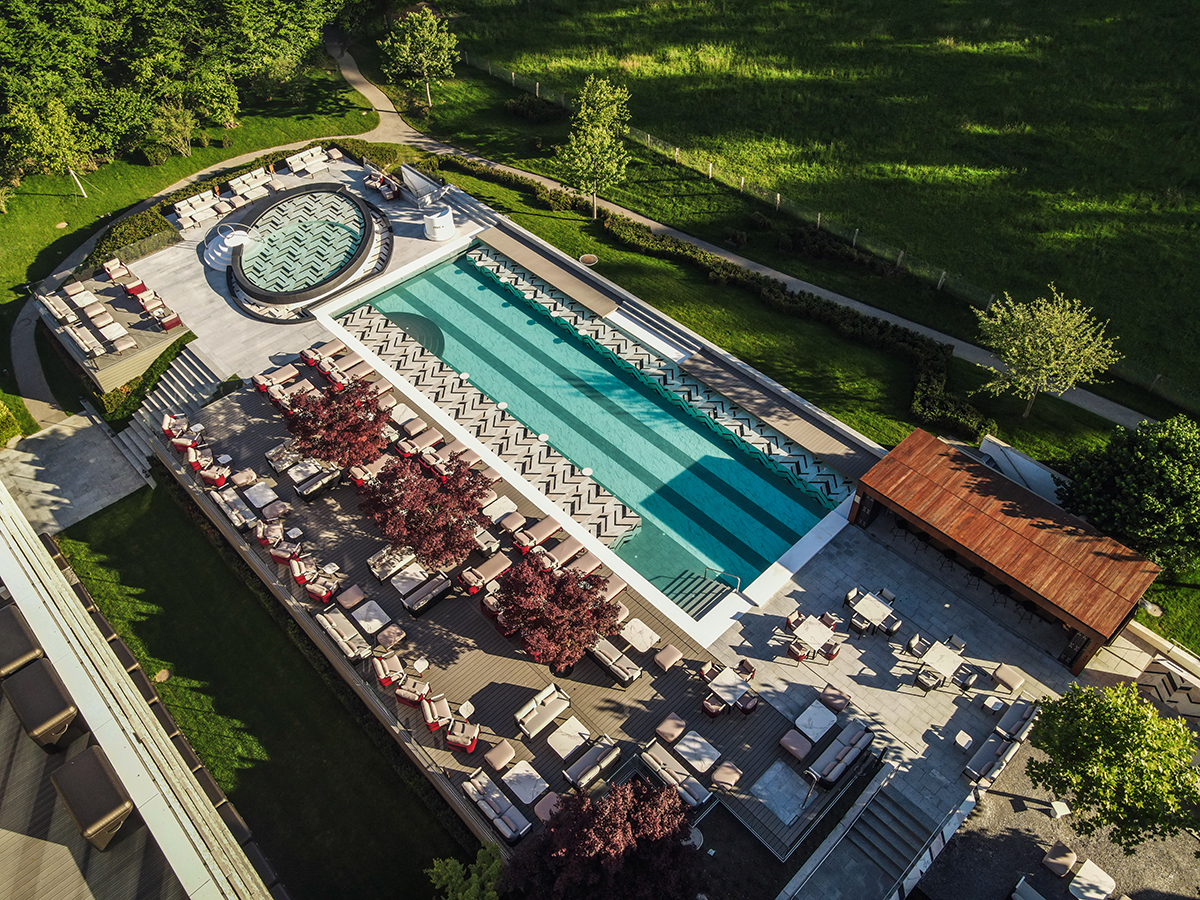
column 1017, row 144
column 324, row 803
column 32, row 244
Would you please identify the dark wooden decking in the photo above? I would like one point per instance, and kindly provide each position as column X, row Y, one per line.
column 550, row 270
column 471, row 661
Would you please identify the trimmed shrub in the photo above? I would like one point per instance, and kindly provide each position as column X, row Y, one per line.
column 534, row 109
column 130, row 230
column 9, row 427
column 155, row 154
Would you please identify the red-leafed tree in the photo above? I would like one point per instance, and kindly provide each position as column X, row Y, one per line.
column 559, row 614
column 342, row 427
column 436, row 520
column 627, row 844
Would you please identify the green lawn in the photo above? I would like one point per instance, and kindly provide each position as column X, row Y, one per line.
column 32, row 244
column 867, row 389
column 469, row 112
column 323, row 801
column 1178, row 593
column 1018, row 145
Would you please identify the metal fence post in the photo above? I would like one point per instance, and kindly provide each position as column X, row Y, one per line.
column 537, row 90
column 710, row 170
column 818, row 221
column 941, row 280
column 854, row 243
column 900, row 258
column 677, row 156
column 776, row 202
column 743, row 187
column 514, row 78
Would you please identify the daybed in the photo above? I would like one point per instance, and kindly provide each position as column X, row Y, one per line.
column 561, row 553
column 848, row 746
column 505, row 817
column 339, row 627
column 622, row 667
column 600, row 757
column 673, row 773
column 548, row 705
column 1018, row 721
column 318, row 352
column 475, row 578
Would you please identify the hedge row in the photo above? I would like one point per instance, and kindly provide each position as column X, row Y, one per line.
column 118, row 405
column 931, row 403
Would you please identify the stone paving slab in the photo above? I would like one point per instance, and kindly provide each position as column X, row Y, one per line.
column 66, row 472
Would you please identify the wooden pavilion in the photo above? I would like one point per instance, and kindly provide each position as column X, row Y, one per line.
column 1006, row 535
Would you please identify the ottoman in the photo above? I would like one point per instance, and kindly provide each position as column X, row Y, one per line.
column 726, row 776
column 670, row 729
column 834, row 700
column 500, row 756
column 667, row 657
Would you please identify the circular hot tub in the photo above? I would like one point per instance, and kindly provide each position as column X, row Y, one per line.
column 306, row 243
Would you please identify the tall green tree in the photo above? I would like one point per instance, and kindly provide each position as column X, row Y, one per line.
column 594, row 156
column 419, row 49
column 478, row 881
column 1047, row 346
column 46, row 139
column 1121, row 765
column 1143, row 488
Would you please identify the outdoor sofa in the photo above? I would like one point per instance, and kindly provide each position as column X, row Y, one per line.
column 433, row 589
column 1017, row 722
column 672, row 772
column 1024, row 891
column 599, row 758
column 850, row 743
column 621, row 666
column 548, row 705
column 339, row 627
column 990, row 759
column 505, row 817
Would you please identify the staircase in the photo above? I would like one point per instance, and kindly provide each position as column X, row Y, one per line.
column 183, row 388
column 891, row 833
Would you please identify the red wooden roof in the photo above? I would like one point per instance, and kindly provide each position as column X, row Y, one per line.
column 1035, row 544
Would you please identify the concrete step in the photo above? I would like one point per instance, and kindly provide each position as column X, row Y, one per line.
column 131, row 454
column 874, row 837
column 907, row 815
column 649, row 319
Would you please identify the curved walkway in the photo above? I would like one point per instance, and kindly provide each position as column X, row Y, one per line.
column 393, row 129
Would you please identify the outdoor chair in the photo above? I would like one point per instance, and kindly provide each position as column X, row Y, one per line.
column 975, row 575
column 322, row 587
column 1060, row 859
column 411, row 691
column 1000, row 594
column 859, row 625
column 214, row 476
column 793, row 619
column 965, row 678
column 830, row 650
column 891, row 625
column 797, row 651
column 710, row 670
column 713, row 706
column 746, row 669
column 949, row 558
column 888, row 596
column 268, row 533
column 830, row 621
column 388, row 667
column 462, row 736
column 174, row 424
column 852, row 597
column 747, row 703
column 899, row 527
column 199, row 458
column 927, row 680
column 957, row 644
column 302, row 569
column 436, row 711
column 916, row 646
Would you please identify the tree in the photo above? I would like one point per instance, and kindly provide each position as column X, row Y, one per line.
column 1143, row 488
column 479, row 881
column 415, row 509
column 47, row 139
column 418, row 49
column 627, row 844
column 1121, row 765
column 594, row 156
column 559, row 614
column 1049, row 345
column 343, row 427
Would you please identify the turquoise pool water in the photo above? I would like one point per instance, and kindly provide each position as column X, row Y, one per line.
column 703, row 501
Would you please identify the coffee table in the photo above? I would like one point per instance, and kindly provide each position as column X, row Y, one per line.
column 371, row 617
column 261, row 494
column 697, row 752
column 729, row 685
column 1091, row 882
column 814, row 723
column 303, row 470
column 525, row 782
column 568, row 737
column 639, row 635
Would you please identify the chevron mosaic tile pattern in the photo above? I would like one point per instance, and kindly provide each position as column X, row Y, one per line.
column 305, row 239
column 541, row 465
column 725, row 418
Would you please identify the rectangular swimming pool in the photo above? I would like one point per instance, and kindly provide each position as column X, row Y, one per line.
column 703, row 500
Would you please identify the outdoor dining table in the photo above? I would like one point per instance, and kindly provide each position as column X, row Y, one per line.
column 729, row 686
column 261, row 494
column 872, row 609
column 812, row 632
column 942, row 659
column 1091, row 882
column 525, row 782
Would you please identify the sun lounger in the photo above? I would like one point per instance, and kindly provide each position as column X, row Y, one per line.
column 584, row 565
column 561, row 553
column 281, row 394
column 412, row 446
column 475, row 578
column 441, row 465
column 360, row 475
column 528, row 538
column 315, row 354
column 329, row 363
column 124, row 344
column 615, row 585
column 283, row 374
column 104, row 317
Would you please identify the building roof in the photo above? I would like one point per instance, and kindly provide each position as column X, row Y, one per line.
column 1092, row 579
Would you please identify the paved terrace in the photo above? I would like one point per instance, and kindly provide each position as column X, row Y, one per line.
column 472, row 662
column 934, row 602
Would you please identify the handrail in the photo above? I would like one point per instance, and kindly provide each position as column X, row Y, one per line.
column 736, row 578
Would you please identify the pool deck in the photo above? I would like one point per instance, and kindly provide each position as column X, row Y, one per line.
column 471, row 661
